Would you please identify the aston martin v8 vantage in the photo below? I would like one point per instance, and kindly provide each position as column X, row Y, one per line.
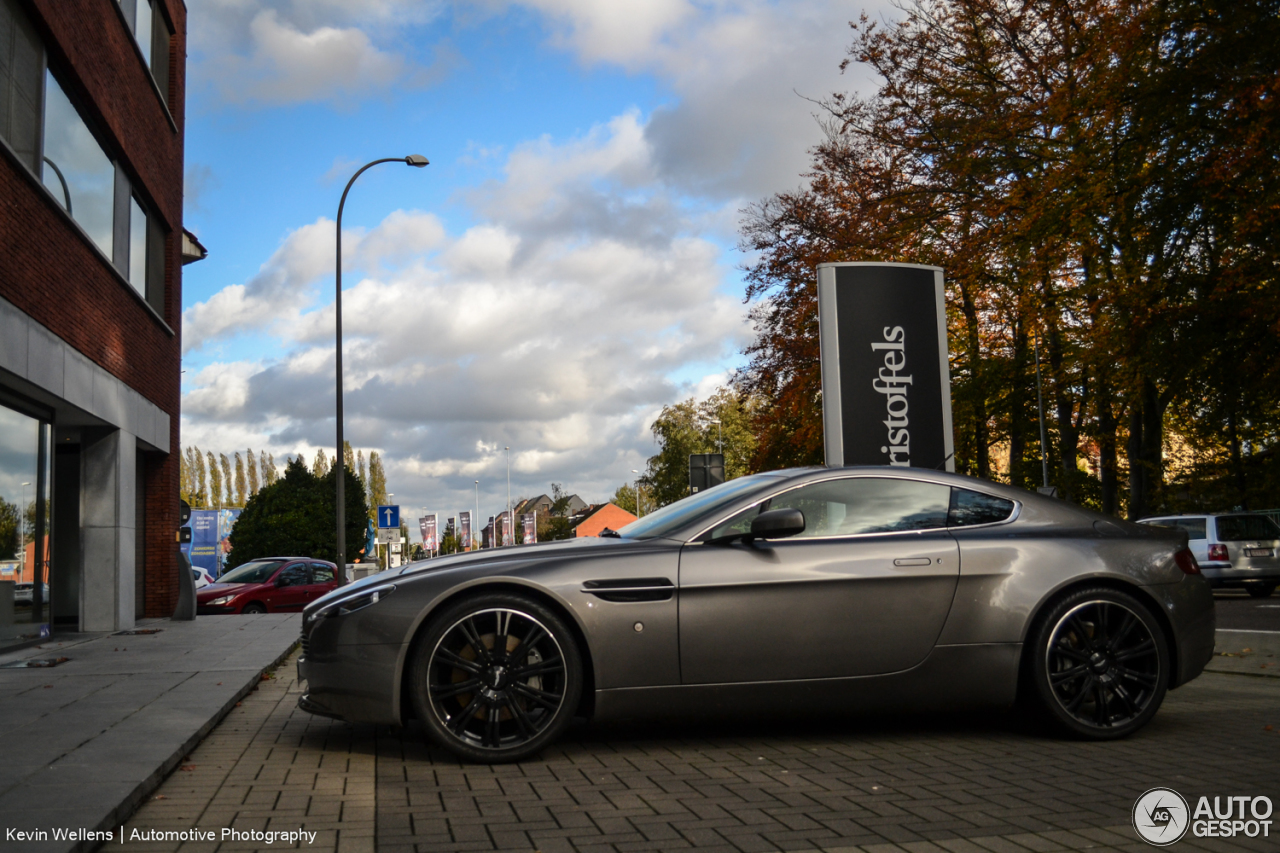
column 852, row 589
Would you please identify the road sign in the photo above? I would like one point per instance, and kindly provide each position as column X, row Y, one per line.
column 388, row 516
column 389, row 534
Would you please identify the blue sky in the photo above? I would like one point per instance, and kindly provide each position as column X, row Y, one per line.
column 565, row 266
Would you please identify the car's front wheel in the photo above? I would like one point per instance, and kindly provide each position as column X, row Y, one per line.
column 254, row 607
column 1100, row 663
column 496, row 677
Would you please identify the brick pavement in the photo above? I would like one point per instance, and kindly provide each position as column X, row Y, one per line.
column 915, row 785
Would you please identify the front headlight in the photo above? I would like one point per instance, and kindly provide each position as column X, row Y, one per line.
column 364, row 598
column 226, row 599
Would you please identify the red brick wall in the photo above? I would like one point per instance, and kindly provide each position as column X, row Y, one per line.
column 51, row 271
column 610, row 515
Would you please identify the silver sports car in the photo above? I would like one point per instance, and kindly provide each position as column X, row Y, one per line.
column 859, row 589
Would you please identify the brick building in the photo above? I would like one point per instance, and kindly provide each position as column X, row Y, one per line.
column 91, row 254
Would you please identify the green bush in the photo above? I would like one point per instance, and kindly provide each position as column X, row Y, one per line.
column 294, row 517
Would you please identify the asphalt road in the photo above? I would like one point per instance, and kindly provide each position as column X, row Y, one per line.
column 1238, row 612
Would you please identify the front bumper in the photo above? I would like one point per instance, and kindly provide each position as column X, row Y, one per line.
column 207, row 610
column 352, row 683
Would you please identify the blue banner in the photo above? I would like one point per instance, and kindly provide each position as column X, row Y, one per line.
column 209, row 547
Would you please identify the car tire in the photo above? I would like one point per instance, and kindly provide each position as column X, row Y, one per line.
column 253, row 607
column 1099, row 663
column 496, row 677
column 1260, row 590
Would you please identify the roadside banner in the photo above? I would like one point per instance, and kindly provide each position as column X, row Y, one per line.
column 886, row 387
column 530, row 521
column 464, row 529
column 508, row 530
column 429, row 541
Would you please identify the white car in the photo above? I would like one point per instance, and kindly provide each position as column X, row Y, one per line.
column 1235, row 550
column 22, row 593
column 203, row 578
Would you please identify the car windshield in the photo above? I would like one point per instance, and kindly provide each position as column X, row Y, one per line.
column 1233, row 528
column 672, row 517
column 258, row 571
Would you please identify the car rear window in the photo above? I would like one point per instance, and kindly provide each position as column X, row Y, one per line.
column 1234, row 528
column 1195, row 527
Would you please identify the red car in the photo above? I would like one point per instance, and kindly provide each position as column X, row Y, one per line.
column 268, row 585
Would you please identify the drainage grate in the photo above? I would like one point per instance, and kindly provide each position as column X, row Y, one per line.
column 33, row 663
column 137, row 631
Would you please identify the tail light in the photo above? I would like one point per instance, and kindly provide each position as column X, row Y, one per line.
column 1218, row 552
column 1187, row 561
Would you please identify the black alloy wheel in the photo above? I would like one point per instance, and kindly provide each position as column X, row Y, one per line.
column 496, row 678
column 1101, row 665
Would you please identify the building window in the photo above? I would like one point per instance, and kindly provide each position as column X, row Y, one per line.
column 137, row 247
column 80, row 175
column 24, row 540
column 21, row 69
column 152, row 33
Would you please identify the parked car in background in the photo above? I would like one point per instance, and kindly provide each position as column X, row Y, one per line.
column 22, row 593
column 1236, row 550
column 202, row 577
column 268, row 585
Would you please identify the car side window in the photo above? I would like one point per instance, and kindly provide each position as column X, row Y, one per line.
column 855, row 505
column 969, row 508
column 321, row 573
column 1195, row 527
column 295, row 575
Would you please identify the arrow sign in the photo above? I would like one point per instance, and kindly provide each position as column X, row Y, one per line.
column 388, row 516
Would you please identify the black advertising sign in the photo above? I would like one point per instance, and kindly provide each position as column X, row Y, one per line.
column 886, row 387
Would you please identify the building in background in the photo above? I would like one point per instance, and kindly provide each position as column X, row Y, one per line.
column 593, row 519
column 91, row 255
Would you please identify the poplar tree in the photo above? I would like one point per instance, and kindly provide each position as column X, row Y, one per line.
column 320, row 466
column 268, row 463
column 251, row 464
column 242, row 484
column 215, row 481
column 228, row 481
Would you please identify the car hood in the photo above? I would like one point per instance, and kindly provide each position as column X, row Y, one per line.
column 497, row 558
column 217, row 590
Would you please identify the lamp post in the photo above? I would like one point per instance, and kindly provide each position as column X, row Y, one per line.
column 475, row 519
column 22, row 533
column 418, row 161
column 719, row 435
column 510, row 521
column 637, row 473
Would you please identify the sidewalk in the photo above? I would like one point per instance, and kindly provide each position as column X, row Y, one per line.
column 82, row 744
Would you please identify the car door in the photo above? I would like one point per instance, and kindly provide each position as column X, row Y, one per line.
column 865, row 588
column 292, row 583
column 323, row 580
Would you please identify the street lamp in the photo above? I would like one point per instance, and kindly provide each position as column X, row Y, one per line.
column 509, row 523
column 637, row 473
column 475, row 519
column 418, row 161
column 719, row 435
column 22, row 532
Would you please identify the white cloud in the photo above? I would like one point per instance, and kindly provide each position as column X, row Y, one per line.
column 289, row 51
column 549, row 327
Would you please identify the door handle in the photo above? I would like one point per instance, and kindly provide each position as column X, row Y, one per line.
column 912, row 561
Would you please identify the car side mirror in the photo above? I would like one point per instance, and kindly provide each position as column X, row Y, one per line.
column 777, row 524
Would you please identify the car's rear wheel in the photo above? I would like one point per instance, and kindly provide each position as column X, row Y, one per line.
column 1261, row 590
column 496, row 677
column 1100, row 663
column 254, row 607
